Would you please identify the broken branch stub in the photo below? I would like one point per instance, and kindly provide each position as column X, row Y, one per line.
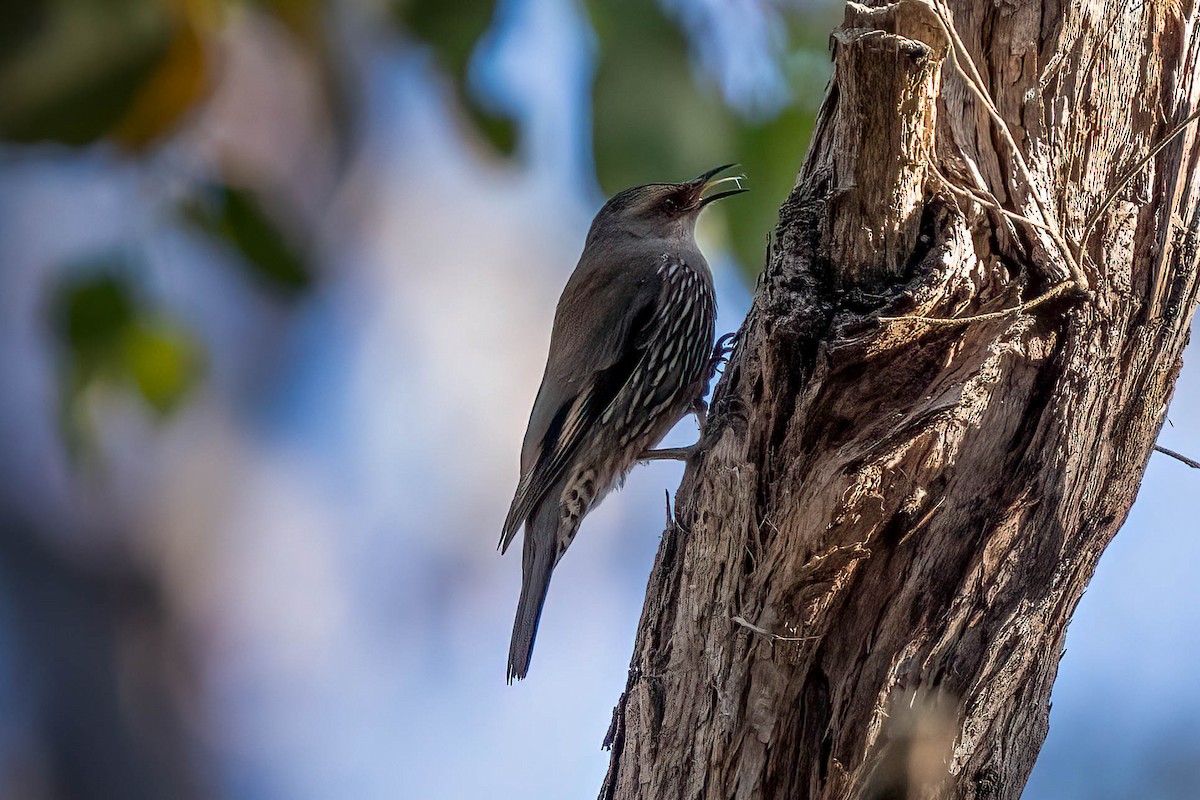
column 875, row 142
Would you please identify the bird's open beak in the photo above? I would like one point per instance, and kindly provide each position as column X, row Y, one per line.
column 709, row 180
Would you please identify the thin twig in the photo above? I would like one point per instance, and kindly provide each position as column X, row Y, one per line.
column 984, row 201
column 1178, row 456
column 976, row 85
column 1018, row 309
column 1070, row 254
column 1094, row 217
column 952, row 322
column 774, row 637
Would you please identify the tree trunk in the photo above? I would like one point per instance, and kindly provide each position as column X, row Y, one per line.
column 872, row 565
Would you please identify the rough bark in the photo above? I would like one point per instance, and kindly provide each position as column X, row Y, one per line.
column 875, row 559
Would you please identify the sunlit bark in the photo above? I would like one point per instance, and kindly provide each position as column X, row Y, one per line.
column 875, row 560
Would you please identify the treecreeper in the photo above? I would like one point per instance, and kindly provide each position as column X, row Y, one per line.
column 631, row 353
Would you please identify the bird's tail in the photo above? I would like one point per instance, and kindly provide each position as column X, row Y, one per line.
column 537, row 564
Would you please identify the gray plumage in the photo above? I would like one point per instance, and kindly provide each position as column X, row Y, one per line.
column 629, row 355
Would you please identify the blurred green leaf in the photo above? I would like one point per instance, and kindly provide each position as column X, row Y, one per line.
column 651, row 120
column 163, row 361
column 90, row 315
column 19, row 22
column 656, row 118
column 452, row 30
column 235, row 216
column 771, row 154
column 106, row 335
column 303, row 17
column 500, row 131
column 70, row 69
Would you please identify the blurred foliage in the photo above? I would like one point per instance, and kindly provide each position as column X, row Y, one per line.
column 177, row 82
column 129, row 72
column 76, row 71
column 309, row 22
column 235, row 216
column 73, row 71
column 452, row 30
column 652, row 120
column 655, row 115
column 302, row 17
column 108, row 335
column 162, row 359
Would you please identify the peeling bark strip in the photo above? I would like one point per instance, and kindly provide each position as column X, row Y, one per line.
column 903, row 517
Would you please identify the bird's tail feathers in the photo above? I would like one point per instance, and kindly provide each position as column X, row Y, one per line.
column 539, row 557
column 515, row 517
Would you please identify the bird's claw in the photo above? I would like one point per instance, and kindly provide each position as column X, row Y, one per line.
column 720, row 354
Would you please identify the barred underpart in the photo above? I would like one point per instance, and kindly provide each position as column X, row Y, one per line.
column 676, row 356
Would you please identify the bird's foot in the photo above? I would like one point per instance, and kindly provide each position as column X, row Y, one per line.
column 720, row 353
column 670, row 453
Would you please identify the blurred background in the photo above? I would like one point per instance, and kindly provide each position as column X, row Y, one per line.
column 276, row 284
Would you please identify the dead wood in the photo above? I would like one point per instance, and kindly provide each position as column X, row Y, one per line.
column 874, row 562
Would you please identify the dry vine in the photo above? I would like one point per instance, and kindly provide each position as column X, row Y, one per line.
column 1079, row 282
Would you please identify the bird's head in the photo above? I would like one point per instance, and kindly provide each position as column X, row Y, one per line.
column 667, row 209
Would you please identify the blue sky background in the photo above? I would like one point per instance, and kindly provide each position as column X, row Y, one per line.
column 325, row 510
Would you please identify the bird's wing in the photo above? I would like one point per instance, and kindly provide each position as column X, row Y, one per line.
column 601, row 333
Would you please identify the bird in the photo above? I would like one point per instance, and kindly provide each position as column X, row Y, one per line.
column 631, row 353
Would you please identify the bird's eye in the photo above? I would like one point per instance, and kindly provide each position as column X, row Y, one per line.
column 670, row 204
